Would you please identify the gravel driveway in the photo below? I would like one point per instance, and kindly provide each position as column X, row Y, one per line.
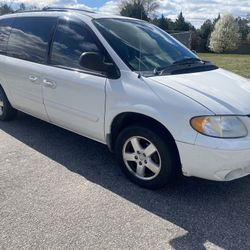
column 59, row 190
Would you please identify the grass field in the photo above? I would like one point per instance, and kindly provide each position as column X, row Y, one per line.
column 239, row 64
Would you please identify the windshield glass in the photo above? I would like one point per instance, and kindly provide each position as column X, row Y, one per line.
column 142, row 46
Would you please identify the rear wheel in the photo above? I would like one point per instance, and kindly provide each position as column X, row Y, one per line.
column 147, row 158
column 6, row 111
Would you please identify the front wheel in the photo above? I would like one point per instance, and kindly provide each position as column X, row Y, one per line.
column 146, row 158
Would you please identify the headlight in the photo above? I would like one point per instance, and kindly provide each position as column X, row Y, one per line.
column 219, row 126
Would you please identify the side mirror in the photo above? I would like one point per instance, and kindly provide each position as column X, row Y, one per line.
column 96, row 62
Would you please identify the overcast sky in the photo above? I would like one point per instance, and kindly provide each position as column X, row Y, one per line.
column 195, row 11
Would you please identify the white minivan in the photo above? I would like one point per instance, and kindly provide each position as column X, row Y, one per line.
column 130, row 85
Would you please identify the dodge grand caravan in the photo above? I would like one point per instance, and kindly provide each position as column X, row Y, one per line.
column 130, row 85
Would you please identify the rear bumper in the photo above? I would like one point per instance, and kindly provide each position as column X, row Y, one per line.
column 214, row 164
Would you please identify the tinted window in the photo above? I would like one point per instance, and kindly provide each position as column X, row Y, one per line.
column 30, row 37
column 71, row 40
column 5, row 28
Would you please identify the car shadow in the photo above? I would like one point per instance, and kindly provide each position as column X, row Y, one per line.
column 208, row 211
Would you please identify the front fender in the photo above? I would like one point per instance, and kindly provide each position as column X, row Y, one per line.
column 130, row 94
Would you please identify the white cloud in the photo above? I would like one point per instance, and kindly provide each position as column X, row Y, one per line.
column 195, row 11
column 110, row 7
column 42, row 3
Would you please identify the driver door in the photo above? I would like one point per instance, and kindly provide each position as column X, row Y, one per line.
column 74, row 97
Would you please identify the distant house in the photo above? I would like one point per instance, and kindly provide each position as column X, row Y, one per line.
column 184, row 37
column 244, row 49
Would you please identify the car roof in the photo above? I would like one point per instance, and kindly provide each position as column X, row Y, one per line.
column 64, row 11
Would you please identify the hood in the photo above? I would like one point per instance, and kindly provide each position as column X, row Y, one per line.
column 221, row 91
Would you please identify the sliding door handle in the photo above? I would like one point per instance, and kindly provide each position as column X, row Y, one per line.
column 33, row 78
column 49, row 84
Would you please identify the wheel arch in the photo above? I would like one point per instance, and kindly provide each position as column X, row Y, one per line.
column 7, row 93
column 2, row 88
column 126, row 119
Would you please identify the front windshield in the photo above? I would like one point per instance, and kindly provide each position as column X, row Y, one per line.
column 142, row 46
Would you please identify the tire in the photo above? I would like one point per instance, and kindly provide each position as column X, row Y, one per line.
column 7, row 113
column 159, row 165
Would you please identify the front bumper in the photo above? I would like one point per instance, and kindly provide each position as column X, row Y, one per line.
column 219, row 164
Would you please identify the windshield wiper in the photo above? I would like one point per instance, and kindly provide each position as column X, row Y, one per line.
column 184, row 66
column 161, row 70
column 187, row 61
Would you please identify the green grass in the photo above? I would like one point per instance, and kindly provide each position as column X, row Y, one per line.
column 239, row 64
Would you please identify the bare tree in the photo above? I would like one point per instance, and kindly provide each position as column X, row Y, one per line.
column 141, row 9
column 226, row 36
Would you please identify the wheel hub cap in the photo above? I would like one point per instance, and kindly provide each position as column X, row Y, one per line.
column 142, row 158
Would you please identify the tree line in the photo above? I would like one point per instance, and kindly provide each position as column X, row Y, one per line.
column 8, row 7
column 221, row 34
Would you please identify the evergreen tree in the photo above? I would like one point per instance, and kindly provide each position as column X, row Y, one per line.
column 163, row 23
column 22, row 7
column 181, row 24
column 5, row 8
column 244, row 27
column 206, row 29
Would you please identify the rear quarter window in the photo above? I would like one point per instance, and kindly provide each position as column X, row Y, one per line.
column 5, row 29
column 30, row 37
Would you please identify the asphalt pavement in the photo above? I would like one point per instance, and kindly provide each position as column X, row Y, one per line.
column 59, row 190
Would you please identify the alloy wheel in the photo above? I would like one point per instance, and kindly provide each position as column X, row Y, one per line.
column 142, row 158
